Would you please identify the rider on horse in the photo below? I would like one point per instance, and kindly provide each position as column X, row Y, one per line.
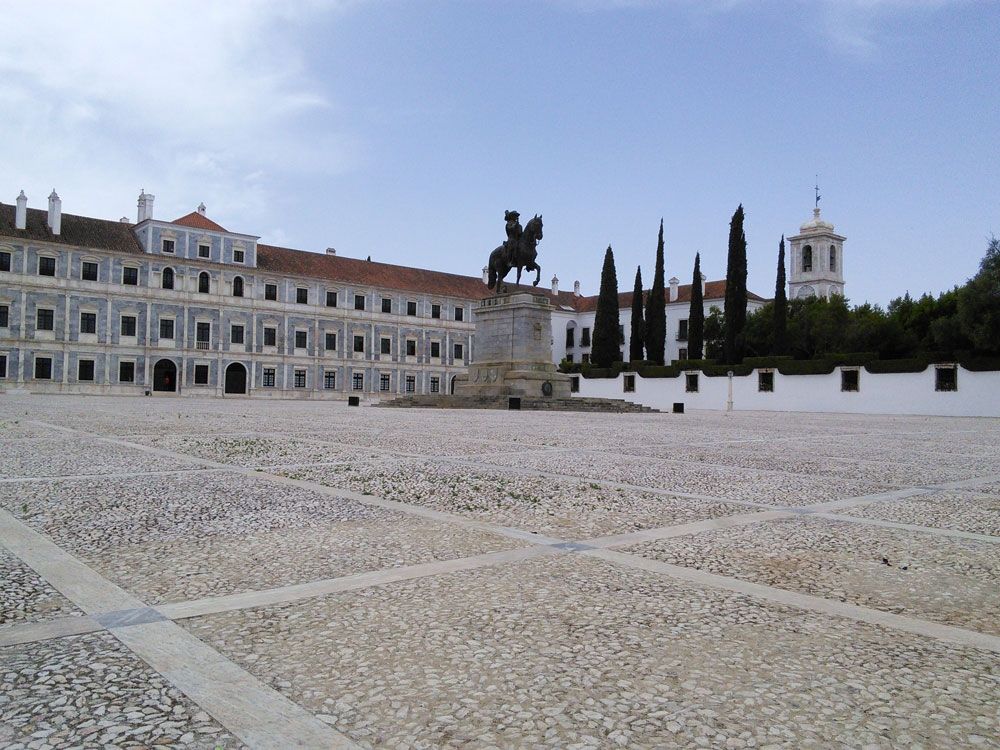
column 513, row 235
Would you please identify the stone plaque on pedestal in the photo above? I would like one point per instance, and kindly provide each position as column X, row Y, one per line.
column 513, row 350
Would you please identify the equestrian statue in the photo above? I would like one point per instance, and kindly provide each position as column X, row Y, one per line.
column 519, row 251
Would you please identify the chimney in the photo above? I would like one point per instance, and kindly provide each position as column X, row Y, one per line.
column 201, row 208
column 55, row 212
column 674, row 281
column 21, row 212
column 124, row 220
column 145, row 206
column 555, row 285
column 704, row 278
column 331, row 251
column 486, row 274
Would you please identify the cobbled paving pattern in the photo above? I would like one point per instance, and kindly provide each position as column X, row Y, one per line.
column 189, row 499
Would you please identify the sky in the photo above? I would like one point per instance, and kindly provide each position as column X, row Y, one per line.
column 403, row 129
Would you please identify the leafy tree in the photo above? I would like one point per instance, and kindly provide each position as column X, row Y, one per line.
column 758, row 333
column 696, row 314
column 779, row 342
column 637, row 342
column 656, row 313
column 979, row 303
column 736, row 289
column 715, row 333
column 605, row 339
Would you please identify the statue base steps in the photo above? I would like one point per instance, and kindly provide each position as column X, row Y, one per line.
column 527, row 403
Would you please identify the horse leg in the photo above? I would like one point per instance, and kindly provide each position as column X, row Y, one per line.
column 538, row 276
column 519, row 274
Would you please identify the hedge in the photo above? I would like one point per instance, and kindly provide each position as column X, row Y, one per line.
column 916, row 364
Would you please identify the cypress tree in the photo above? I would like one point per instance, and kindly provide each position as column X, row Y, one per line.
column 604, row 349
column 780, row 305
column 638, row 328
column 736, row 289
column 656, row 310
column 696, row 315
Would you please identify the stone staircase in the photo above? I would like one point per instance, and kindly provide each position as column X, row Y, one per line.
column 613, row 405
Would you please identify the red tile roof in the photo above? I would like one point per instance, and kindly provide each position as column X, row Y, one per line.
column 198, row 221
column 713, row 290
column 78, row 231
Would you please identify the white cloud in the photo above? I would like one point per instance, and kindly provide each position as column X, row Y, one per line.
column 185, row 98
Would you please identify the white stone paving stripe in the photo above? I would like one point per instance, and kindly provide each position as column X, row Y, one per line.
column 112, row 475
column 258, row 715
column 29, row 632
column 695, row 527
column 807, row 602
column 955, row 533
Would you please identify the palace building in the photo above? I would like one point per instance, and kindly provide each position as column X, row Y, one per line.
column 188, row 307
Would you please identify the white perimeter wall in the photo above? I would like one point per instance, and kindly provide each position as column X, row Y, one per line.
column 978, row 393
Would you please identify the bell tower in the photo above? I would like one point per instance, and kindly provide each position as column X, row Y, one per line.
column 816, row 267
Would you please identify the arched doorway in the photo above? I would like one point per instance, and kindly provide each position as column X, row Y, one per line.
column 165, row 376
column 452, row 388
column 236, row 379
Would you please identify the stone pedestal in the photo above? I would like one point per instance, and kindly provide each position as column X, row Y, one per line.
column 513, row 350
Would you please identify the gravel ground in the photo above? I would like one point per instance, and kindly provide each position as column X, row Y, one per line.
column 947, row 580
column 67, row 455
column 572, row 652
column 91, row 692
column 976, row 512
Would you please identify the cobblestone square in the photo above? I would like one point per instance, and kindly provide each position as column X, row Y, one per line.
column 225, row 573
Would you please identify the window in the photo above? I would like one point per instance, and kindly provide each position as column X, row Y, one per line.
column 585, row 337
column 238, row 286
column 691, row 382
column 570, row 338
column 204, row 251
column 202, row 335
column 411, row 383
column 945, row 378
column 385, row 346
column 331, row 342
column 435, row 311
column 46, row 266
column 359, row 302
column 574, row 384
column 435, row 385
column 271, row 291
column 300, row 379
column 3, row 365
column 302, row 295
column 201, row 374
column 569, row 357
column 411, row 308
column 167, row 278
column 358, row 381
column 628, row 384
column 849, row 380
column 833, row 257
column 126, row 372
column 331, row 299
column 682, row 353
column 85, row 369
column 359, row 344
column 765, row 381
column 682, row 330
column 268, row 377
column 411, row 348
column 4, row 261
column 128, row 325
column 386, row 305
column 270, row 336
column 43, row 368
column 4, row 316
column 45, row 319
column 236, row 334
column 167, row 246
column 621, row 339
column 239, row 256
column 807, row 258
column 88, row 270
column 459, row 351
column 166, row 328
column 435, row 349
column 130, row 276
column 384, row 381
column 459, row 313
column 204, row 282
column 88, row 322
column 329, row 379
column 301, row 339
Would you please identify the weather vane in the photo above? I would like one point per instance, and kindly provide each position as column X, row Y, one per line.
column 818, row 196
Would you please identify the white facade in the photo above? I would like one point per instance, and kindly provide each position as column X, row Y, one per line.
column 816, row 260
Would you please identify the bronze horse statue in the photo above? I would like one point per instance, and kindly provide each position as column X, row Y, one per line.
column 523, row 256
